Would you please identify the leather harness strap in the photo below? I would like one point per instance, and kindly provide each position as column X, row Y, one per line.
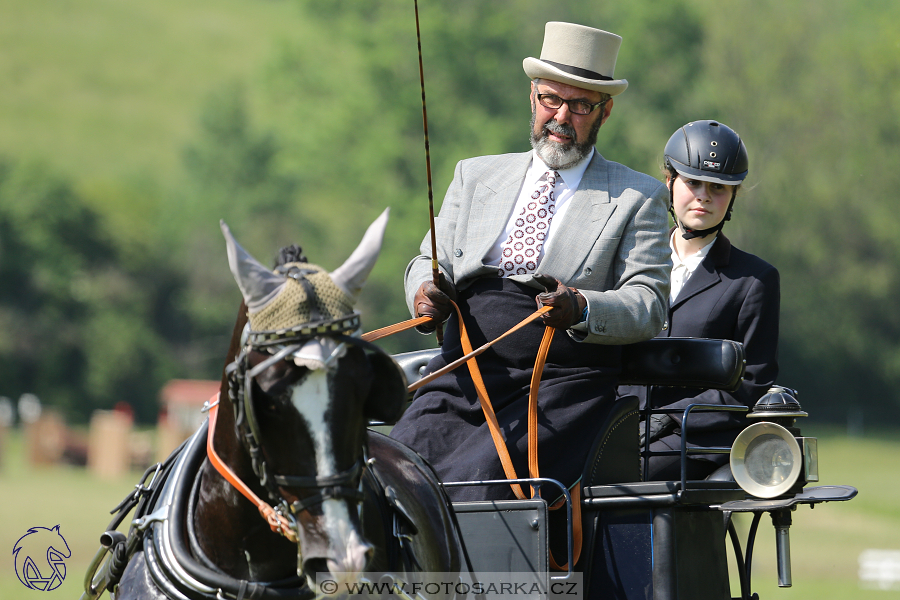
column 536, row 374
column 497, row 436
column 278, row 523
column 484, row 399
column 467, row 347
column 577, row 534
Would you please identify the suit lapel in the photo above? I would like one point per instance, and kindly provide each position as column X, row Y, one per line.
column 495, row 196
column 585, row 218
column 707, row 274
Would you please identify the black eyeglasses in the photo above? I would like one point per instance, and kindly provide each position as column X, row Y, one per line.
column 579, row 107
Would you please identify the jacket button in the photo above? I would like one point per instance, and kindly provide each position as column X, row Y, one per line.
column 457, row 252
column 665, row 325
column 588, row 271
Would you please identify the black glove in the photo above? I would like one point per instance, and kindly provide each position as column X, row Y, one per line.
column 567, row 303
column 660, row 425
column 434, row 302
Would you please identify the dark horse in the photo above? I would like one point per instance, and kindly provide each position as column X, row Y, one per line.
column 289, row 427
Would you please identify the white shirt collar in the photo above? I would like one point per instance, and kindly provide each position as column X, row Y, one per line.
column 571, row 177
column 682, row 269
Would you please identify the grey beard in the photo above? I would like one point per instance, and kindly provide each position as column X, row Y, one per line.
column 561, row 156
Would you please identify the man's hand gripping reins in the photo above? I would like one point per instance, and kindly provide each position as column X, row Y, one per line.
column 434, row 302
column 568, row 304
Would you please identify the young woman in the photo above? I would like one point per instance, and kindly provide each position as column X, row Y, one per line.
column 717, row 291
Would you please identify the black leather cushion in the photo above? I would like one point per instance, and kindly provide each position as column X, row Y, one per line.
column 685, row 362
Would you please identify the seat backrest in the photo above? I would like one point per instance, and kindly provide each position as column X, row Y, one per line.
column 413, row 363
column 684, row 362
column 615, row 456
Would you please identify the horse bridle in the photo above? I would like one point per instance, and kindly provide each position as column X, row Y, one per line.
column 346, row 484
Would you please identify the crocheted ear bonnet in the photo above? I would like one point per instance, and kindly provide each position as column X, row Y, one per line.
column 300, row 299
column 308, row 298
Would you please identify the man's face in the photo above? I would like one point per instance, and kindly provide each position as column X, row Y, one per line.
column 563, row 138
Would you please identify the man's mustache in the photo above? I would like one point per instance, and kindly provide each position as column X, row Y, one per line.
column 553, row 126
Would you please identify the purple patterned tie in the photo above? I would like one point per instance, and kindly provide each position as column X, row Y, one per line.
column 522, row 250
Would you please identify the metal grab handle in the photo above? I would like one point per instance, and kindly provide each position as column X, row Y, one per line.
column 94, row 588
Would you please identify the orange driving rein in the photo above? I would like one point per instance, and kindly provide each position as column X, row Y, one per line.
column 277, row 522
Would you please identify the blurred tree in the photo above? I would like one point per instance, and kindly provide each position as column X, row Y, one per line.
column 109, row 288
column 78, row 329
column 814, row 90
column 231, row 174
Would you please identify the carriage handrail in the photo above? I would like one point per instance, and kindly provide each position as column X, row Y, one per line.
column 684, row 429
column 685, row 451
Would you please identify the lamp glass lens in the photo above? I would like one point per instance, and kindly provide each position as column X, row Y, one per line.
column 769, row 460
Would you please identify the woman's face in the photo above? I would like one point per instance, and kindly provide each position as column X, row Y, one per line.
column 700, row 204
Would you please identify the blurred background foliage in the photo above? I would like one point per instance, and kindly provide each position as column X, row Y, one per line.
column 127, row 130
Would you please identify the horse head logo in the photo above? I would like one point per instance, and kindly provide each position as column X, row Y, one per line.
column 40, row 558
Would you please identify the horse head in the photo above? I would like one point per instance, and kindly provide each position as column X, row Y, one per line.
column 303, row 388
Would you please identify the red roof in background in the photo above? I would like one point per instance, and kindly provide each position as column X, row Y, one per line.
column 188, row 391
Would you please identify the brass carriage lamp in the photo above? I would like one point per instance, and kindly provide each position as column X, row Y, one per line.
column 770, row 457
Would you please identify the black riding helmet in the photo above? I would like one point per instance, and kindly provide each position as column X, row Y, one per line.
column 708, row 151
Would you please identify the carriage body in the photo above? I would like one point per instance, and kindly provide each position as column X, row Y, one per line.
column 648, row 540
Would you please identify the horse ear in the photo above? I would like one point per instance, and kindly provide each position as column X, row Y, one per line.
column 351, row 275
column 388, row 395
column 258, row 284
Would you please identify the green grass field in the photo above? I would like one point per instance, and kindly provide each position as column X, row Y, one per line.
column 108, row 90
column 46, row 497
column 826, row 542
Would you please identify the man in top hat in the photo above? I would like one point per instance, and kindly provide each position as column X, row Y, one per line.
column 559, row 226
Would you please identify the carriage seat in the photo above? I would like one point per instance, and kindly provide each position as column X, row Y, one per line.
column 681, row 362
column 615, row 455
column 413, row 363
column 612, row 485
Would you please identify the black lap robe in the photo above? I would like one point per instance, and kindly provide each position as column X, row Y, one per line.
column 445, row 423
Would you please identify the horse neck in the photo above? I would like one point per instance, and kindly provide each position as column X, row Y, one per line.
column 230, row 530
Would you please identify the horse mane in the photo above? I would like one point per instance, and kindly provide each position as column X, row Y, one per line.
column 290, row 254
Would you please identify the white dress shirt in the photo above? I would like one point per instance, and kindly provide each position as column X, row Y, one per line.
column 682, row 269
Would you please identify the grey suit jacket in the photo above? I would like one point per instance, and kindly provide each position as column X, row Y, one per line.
column 611, row 245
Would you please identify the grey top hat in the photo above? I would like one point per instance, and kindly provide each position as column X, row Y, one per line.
column 577, row 55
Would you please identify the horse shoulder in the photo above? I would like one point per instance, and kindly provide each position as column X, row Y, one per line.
column 416, row 488
column 136, row 583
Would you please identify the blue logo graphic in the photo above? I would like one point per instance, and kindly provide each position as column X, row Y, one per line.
column 39, row 557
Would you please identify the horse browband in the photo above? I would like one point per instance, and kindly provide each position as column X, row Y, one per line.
column 305, row 332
